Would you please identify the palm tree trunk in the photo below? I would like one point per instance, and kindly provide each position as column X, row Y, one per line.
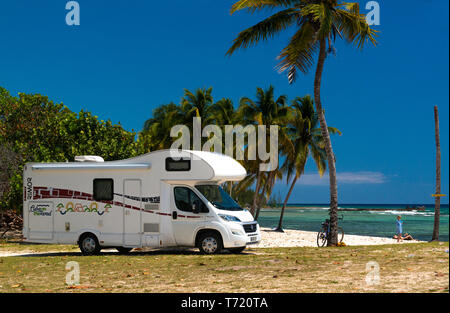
column 437, row 199
column 280, row 222
column 332, row 240
column 255, row 196
column 230, row 187
column 258, row 204
column 258, row 209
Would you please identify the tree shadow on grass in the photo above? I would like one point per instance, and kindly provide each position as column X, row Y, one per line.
column 133, row 253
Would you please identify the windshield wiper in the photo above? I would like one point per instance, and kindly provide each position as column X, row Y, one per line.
column 222, row 207
column 217, row 205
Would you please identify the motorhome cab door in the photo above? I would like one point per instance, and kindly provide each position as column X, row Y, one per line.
column 184, row 221
column 132, row 212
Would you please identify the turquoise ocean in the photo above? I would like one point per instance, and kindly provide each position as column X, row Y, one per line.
column 368, row 222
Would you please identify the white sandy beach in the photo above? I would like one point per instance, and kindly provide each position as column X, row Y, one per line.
column 300, row 238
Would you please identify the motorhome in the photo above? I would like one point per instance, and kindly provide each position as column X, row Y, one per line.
column 165, row 198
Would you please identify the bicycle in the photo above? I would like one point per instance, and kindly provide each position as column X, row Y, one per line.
column 322, row 235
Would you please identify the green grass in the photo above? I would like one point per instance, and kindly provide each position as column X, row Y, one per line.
column 422, row 267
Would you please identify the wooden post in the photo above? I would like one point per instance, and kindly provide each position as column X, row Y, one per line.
column 437, row 200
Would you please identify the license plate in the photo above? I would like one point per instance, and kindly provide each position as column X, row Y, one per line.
column 252, row 239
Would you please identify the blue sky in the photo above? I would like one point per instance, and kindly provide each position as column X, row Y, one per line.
column 127, row 57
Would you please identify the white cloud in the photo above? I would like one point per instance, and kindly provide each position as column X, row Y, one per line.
column 313, row 179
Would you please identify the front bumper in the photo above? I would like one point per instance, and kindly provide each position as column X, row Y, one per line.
column 240, row 238
column 254, row 239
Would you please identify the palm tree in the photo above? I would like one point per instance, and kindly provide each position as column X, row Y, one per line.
column 264, row 111
column 156, row 132
column 223, row 113
column 318, row 23
column 305, row 139
column 197, row 104
column 437, row 201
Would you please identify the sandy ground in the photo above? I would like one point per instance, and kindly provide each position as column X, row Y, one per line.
column 300, row 238
column 271, row 239
column 21, row 253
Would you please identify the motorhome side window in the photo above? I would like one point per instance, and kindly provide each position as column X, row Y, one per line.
column 184, row 198
column 178, row 165
column 103, row 189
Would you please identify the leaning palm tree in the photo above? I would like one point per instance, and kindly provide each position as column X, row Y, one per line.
column 264, row 111
column 318, row 23
column 266, row 193
column 305, row 139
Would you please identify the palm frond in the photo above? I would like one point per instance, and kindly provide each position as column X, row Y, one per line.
column 264, row 30
column 353, row 26
column 320, row 158
column 334, row 130
column 254, row 5
column 299, row 53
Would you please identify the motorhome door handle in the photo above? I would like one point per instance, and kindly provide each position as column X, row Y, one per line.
column 174, row 215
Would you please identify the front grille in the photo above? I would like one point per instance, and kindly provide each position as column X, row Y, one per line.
column 250, row 228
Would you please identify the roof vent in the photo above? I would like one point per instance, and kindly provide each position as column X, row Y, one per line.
column 89, row 158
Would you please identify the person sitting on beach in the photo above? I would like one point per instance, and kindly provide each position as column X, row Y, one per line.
column 406, row 237
column 399, row 224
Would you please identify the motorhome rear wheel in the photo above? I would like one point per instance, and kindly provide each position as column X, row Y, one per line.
column 89, row 244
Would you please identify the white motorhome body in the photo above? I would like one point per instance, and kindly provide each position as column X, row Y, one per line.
column 160, row 199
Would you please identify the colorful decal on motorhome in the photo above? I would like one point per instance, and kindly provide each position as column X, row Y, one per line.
column 57, row 193
column 49, row 192
column 144, row 199
column 41, row 209
column 80, row 208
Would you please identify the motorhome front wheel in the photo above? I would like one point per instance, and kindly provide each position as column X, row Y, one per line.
column 210, row 243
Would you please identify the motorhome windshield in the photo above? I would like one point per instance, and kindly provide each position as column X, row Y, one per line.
column 218, row 197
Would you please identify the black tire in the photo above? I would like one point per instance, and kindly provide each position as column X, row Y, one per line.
column 237, row 250
column 123, row 250
column 321, row 239
column 89, row 245
column 210, row 243
column 340, row 234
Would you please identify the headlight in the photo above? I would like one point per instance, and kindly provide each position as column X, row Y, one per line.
column 229, row 218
